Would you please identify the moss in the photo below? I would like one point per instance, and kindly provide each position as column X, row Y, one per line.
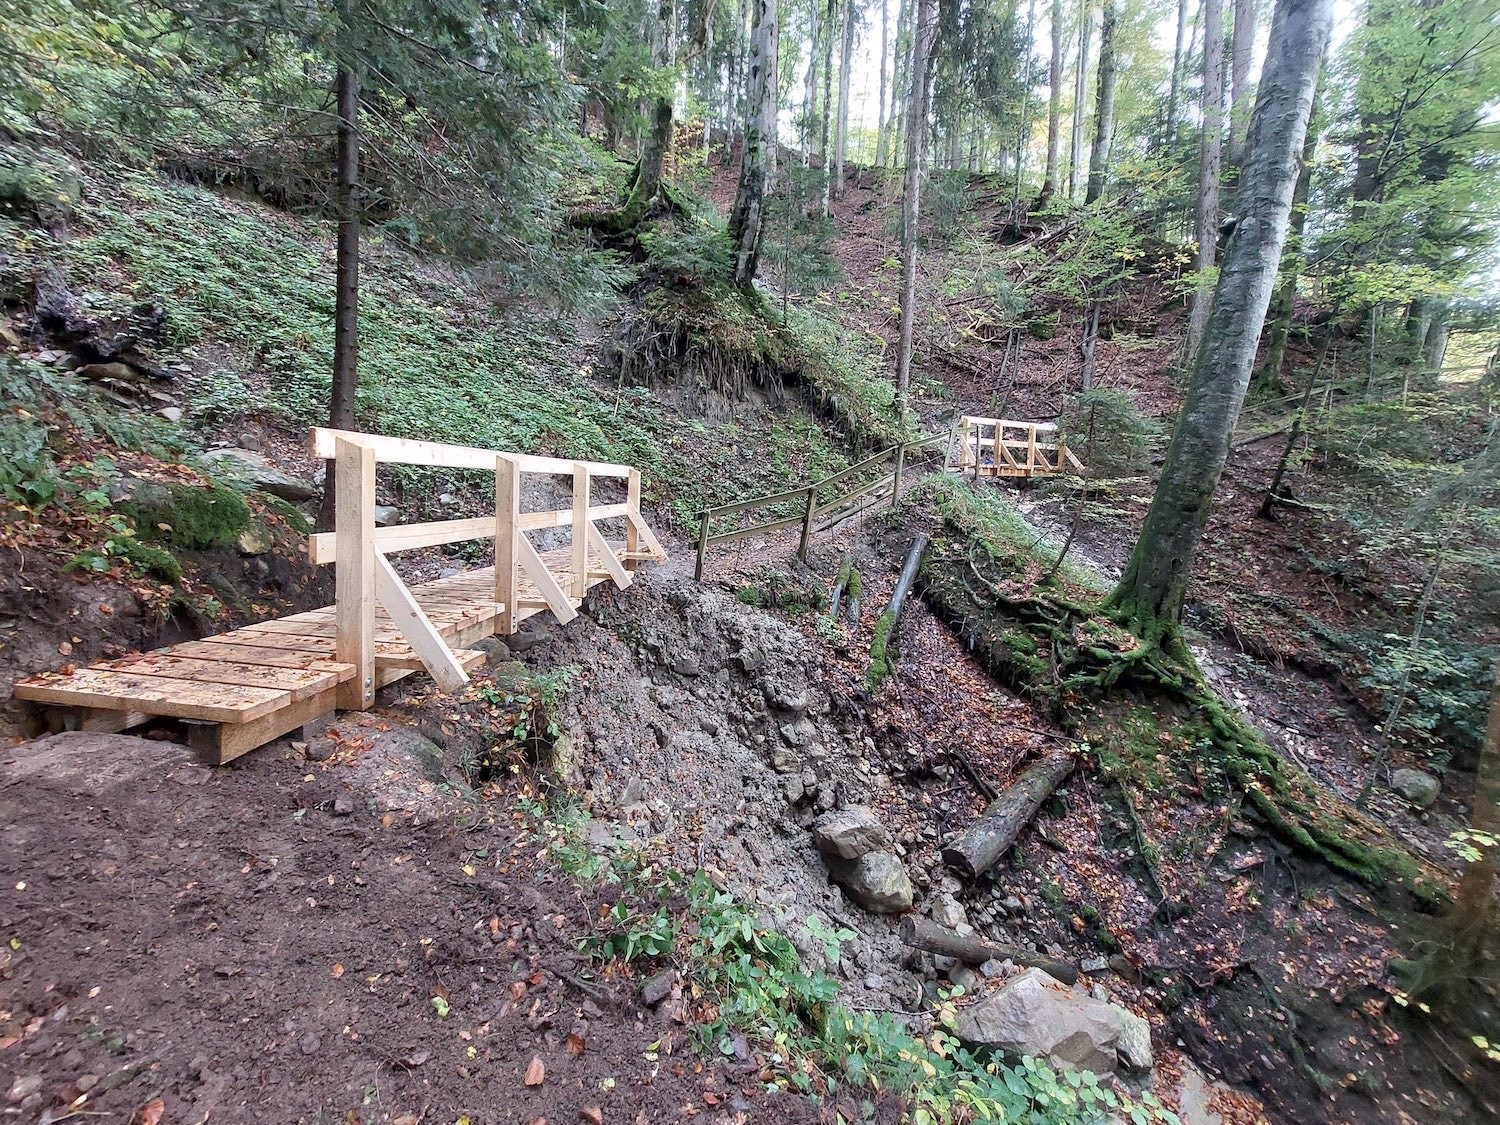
column 294, row 518
column 193, row 517
column 881, row 664
column 149, row 560
column 749, row 595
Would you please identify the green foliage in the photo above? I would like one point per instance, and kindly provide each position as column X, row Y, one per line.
column 776, row 589
column 39, row 184
column 1445, row 681
column 798, row 242
column 1110, row 433
column 629, row 934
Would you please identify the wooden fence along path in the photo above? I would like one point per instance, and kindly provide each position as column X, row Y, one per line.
column 240, row 690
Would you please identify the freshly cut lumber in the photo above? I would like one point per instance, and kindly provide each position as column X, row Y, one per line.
column 980, row 846
column 182, row 699
column 927, row 935
column 299, row 682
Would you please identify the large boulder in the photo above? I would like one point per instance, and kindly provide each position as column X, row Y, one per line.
column 1032, row 1014
column 259, row 472
column 876, row 881
column 850, row 833
column 1417, row 786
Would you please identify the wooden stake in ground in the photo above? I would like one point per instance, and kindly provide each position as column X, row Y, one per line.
column 980, row 846
column 924, row 934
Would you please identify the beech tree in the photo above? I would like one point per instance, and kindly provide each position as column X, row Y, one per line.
column 1151, row 591
column 758, row 155
column 1206, row 213
column 1054, row 108
column 1104, row 111
column 923, row 37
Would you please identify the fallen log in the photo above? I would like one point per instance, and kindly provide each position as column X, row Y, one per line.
column 908, row 576
column 979, row 847
column 838, row 589
column 927, row 935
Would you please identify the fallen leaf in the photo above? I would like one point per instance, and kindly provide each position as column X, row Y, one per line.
column 591, row 1113
column 535, row 1071
column 575, row 1044
column 337, row 970
column 517, row 989
column 148, row 1114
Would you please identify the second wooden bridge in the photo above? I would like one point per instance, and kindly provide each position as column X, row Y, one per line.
column 242, row 689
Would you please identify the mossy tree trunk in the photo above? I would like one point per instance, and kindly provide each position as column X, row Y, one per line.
column 758, row 155
column 1150, row 594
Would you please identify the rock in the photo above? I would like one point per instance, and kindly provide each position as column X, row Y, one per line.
column 319, row 751
column 965, row 977
column 495, row 650
column 799, row 734
column 447, row 499
column 877, row 881
column 170, row 413
column 254, row 540
column 260, row 473
column 1094, row 964
column 874, row 982
column 249, row 441
column 24, row 1087
column 1032, row 1014
column 343, row 806
column 659, row 987
column 785, row 761
column 309, row 1043
column 794, row 789
column 1417, row 786
column 385, row 514
column 948, row 911
column 521, row 642
column 992, row 969
column 850, row 833
column 1013, row 905
column 687, row 663
column 112, row 370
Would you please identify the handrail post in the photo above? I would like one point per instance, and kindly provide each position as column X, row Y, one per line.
column 702, row 546
column 580, row 530
column 1031, row 450
column 354, row 574
column 896, row 480
column 507, row 527
column 633, row 502
column 807, row 518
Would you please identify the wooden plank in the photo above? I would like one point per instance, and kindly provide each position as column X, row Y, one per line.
column 405, row 451
column 299, row 683
column 758, row 529
column 632, row 504
column 323, row 548
column 416, row 627
column 220, row 649
column 547, row 586
column 760, row 502
column 354, row 581
column 580, row 529
column 321, row 647
column 181, row 699
column 221, row 743
column 506, row 527
column 467, row 658
column 612, row 566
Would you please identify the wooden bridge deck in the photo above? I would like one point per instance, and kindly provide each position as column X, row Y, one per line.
column 241, row 689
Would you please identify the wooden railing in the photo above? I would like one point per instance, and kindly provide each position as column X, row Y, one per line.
column 365, row 576
column 805, row 497
column 1009, row 449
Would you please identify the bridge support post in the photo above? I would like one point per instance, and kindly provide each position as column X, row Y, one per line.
column 354, row 574
column 507, row 527
column 580, row 530
column 633, row 503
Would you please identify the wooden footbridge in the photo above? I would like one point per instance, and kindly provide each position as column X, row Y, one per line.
column 240, row 690
column 998, row 447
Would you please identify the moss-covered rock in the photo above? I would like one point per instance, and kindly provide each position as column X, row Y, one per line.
column 192, row 517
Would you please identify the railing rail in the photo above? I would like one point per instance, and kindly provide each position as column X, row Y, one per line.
column 1014, row 448
column 807, row 495
column 364, row 576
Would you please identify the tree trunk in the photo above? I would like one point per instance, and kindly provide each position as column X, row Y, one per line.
column 901, row 65
column 1080, row 95
column 1283, row 302
column 1151, row 591
column 1475, row 929
column 1054, row 108
column 1175, row 93
column 1435, row 347
column 759, row 151
column 1242, row 44
column 841, row 127
column 1023, row 125
column 882, row 121
column 923, row 36
column 1206, row 217
column 810, row 87
column 345, row 276
column 979, row 847
column 1267, row 508
column 1104, row 111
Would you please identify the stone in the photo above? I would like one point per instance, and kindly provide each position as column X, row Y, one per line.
column 170, row 413
column 249, row 441
column 874, row 982
column 965, row 977
column 948, row 911
column 260, row 473
column 343, row 806
column 659, row 987
column 521, row 642
column 115, row 369
column 254, row 540
column 447, row 499
column 1031, row 1014
column 1013, row 905
column 24, row 1087
column 850, row 833
column 992, row 969
column 1094, row 964
column 1418, row 787
column 687, row 663
column 800, row 734
column 794, row 789
column 386, row 514
column 309, row 1043
column 496, row 651
column 877, row 881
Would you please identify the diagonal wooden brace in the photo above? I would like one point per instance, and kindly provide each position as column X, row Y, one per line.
column 419, row 632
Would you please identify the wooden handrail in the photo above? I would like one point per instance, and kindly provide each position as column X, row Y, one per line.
column 807, row 494
column 407, row 451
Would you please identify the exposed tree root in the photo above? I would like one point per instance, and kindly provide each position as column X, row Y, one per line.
column 1076, row 656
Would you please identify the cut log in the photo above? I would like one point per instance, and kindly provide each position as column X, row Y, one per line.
column 980, row 846
column 927, row 935
column 908, row 576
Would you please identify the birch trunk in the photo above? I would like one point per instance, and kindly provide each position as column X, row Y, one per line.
column 810, row 89
column 1151, row 591
column 1104, row 107
column 758, row 157
column 916, row 142
column 1206, row 217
